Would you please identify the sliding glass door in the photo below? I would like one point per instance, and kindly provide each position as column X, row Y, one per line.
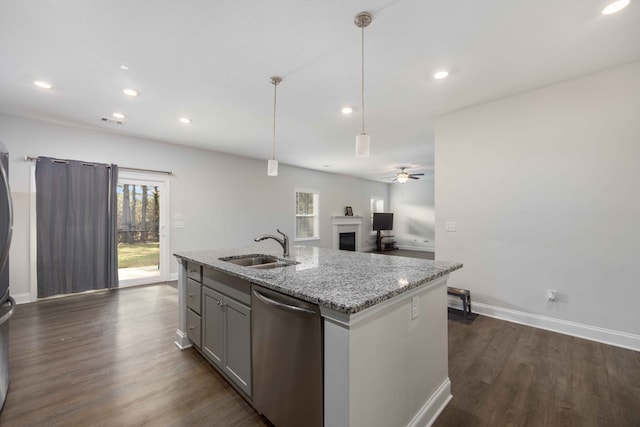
column 143, row 249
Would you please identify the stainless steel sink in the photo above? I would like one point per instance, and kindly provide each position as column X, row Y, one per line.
column 259, row 261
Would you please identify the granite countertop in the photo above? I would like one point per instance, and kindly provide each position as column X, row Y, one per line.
column 344, row 281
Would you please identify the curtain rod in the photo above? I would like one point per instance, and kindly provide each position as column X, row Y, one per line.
column 33, row 159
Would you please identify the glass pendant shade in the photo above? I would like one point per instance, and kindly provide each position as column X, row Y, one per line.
column 362, row 145
column 272, row 167
column 402, row 178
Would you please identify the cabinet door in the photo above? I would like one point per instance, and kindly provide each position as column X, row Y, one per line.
column 213, row 326
column 194, row 271
column 193, row 328
column 237, row 363
column 193, row 295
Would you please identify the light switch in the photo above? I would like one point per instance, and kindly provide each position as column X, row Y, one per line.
column 451, row 226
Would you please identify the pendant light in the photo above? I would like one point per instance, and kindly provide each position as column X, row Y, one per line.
column 272, row 164
column 362, row 20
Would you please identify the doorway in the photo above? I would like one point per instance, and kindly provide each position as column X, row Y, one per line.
column 143, row 249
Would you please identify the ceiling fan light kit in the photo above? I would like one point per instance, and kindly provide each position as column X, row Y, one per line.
column 272, row 163
column 403, row 177
column 363, row 141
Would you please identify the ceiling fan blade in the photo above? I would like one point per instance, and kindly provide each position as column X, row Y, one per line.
column 387, row 177
column 413, row 177
column 416, row 174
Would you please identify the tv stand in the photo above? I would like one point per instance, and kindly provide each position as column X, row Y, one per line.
column 384, row 246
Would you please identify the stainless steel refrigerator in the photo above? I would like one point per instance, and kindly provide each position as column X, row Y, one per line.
column 7, row 304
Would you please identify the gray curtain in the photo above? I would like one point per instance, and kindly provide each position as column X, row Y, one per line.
column 76, row 226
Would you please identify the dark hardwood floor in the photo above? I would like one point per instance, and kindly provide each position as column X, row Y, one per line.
column 506, row 374
column 108, row 359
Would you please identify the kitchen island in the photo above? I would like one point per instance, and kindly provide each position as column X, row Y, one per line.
column 384, row 327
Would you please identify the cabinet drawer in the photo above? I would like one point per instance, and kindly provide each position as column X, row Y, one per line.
column 194, row 328
column 234, row 287
column 194, row 290
column 194, row 271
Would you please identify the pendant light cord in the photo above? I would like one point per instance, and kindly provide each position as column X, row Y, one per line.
column 273, row 148
column 362, row 80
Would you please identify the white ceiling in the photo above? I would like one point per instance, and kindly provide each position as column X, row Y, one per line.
column 212, row 61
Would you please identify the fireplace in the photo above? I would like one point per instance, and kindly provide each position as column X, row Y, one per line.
column 347, row 232
column 347, row 241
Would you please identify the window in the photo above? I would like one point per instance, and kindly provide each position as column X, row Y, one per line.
column 377, row 205
column 307, row 215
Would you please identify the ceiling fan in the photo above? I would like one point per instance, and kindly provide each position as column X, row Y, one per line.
column 403, row 176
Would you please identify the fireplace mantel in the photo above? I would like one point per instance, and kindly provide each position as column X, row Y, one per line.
column 346, row 224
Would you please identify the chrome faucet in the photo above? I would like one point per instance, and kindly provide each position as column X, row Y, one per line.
column 284, row 242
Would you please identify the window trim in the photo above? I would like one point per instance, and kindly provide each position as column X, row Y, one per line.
column 316, row 224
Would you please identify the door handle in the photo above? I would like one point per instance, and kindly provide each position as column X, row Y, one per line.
column 5, row 250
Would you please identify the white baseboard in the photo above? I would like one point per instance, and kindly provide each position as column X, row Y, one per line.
column 580, row 330
column 182, row 341
column 22, row 298
column 433, row 407
column 417, row 248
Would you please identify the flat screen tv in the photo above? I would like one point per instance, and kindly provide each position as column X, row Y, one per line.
column 382, row 221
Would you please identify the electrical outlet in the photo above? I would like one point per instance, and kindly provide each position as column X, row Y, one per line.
column 451, row 226
column 415, row 308
column 552, row 295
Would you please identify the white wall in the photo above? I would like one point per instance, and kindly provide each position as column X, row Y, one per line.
column 223, row 200
column 544, row 188
column 412, row 204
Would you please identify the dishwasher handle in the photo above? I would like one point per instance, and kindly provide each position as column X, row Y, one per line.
column 282, row 306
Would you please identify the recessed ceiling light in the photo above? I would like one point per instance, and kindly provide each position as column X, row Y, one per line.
column 118, row 115
column 326, row 166
column 185, row 120
column 130, row 92
column 614, row 7
column 441, row 75
column 347, row 110
column 124, row 67
column 42, row 84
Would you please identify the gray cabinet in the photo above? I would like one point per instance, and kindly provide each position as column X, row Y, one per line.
column 194, row 320
column 214, row 326
column 226, row 334
column 238, row 344
column 194, row 271
column 194, row 331
column 193, row 295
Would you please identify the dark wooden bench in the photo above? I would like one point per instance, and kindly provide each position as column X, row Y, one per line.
column 465, row 296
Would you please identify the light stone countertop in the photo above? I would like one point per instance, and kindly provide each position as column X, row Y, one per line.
column 344, row 281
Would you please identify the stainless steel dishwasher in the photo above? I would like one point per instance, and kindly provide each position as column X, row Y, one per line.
column 287, row 358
